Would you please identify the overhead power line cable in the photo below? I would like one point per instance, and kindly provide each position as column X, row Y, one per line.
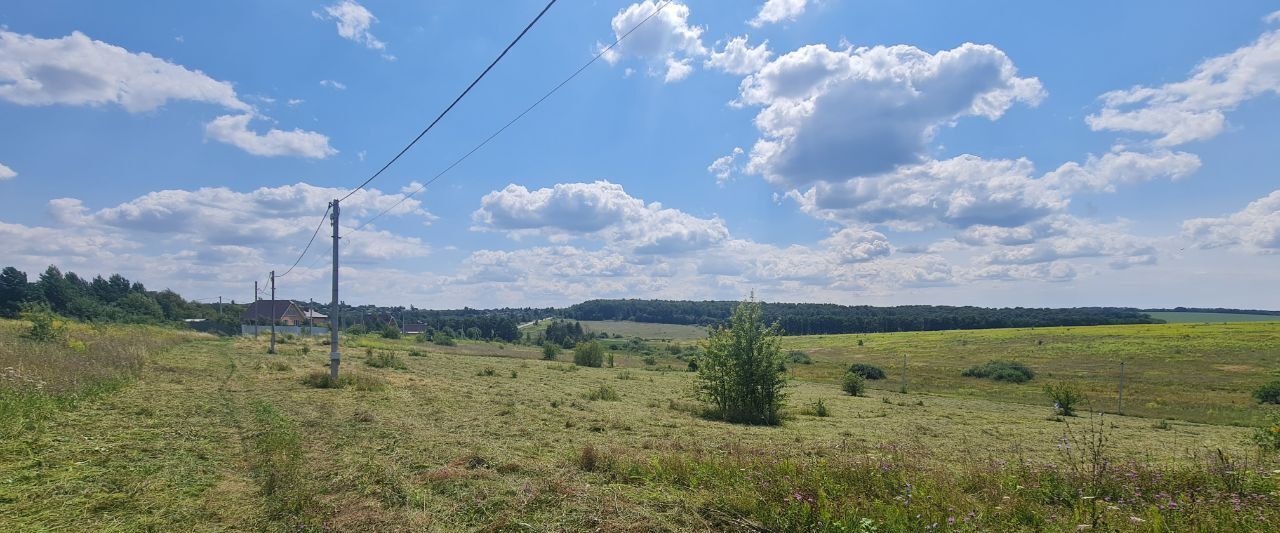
column 455, row 100
column 309, row 243
column 504, row 127
column 553, row 90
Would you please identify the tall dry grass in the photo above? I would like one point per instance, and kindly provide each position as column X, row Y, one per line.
column 38, row 378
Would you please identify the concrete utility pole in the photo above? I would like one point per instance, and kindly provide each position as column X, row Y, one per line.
column 1120, row 408
column 219, row 307
column 273, row 312
column 904, row 373
column 255, row 309
column 335, row 358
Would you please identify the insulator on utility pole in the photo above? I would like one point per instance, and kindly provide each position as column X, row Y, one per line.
column 335, row 358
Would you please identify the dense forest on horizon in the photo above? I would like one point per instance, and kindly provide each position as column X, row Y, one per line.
column 118, row 299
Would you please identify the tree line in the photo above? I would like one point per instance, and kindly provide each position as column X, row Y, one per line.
column 811, row 319
column 111, row 299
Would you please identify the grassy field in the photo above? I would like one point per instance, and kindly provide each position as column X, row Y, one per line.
column 643, row 330
column 1181, row 318
column 1192, row 372
column 216, row 435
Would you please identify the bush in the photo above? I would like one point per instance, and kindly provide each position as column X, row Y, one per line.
column 1267, row 437
column 550, row 351
column 819, row 409
column 741, row 374
column 650, row 360
column 799, row 357
column 1269, row 393
column 390, row 331
column 605, row 393
column 588, row 354
column 487, row 371
column 357, row 329
column 415, row 353
column 854, row 384
column 441, row 338
column 278, row 365
column 1009, row 371
column 45, row 325
column 867, row 371
column 362, row 382
column 385, row 360
column 1065, row 396
column 306, row 350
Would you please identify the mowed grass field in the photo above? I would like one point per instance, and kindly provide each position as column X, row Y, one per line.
column 1193, row 372
column 1180, row 318
column 214, row 434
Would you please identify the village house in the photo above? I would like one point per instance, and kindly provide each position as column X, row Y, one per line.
column 282, row 312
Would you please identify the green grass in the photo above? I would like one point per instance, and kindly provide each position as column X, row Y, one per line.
column 1181, row 318
column 1192, row 372
column 209, row 437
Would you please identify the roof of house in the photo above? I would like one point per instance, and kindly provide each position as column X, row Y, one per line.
column 268, row 309
column 310, row 313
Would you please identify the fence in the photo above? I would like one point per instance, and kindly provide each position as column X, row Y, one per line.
column 246, row 329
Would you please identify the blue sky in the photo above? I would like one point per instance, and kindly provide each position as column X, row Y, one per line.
column 1008, row 153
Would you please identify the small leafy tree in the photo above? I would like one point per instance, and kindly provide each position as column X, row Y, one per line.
column 550, row 350
column 867, row 371
column 742, row 370
column 854, row 384
column 1065, row 397
column 1268, row 436
column 588, row 354
column 45, row 325
column 390, row 331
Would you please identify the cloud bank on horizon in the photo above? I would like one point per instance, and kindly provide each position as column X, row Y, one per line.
column 879, row 172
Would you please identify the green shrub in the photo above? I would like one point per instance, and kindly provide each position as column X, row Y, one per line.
column 1065, row 397
column 441, row 338
column 867, row 371
column 357, row 329
column 650, row 360
column 588, row 354
column 45, row 325
column 278, row 365
column 799, row 357
column 390, row 331
column 306, row 350
column 1269, row 393
column 818, row 409
column 1008, row 371
column 550, row 350
column 1267, row 437
column 487, row 371
column 415, row 353
column 385, row 360
column 605, row 393
column 854, row 384
column 625, row 375
column 742, row 372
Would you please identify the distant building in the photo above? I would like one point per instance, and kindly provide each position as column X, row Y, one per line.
column 413, row 329
column 314, row 318
column 283, row 312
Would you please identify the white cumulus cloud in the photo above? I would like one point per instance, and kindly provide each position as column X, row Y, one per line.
column 353, row 21
column 1255, row 228
column 76, row 70
column 1195, row 109
column 738, row 57
column 778, row 11
column 6, row 172
column 234, row 130
column 667, row 43
column 831, row 115
column 598, row 210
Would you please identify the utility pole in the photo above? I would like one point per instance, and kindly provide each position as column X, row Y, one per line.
column 335, row 358
column 219, row 307
column 273, row 312
column 1120, row 409
column 255, row 309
